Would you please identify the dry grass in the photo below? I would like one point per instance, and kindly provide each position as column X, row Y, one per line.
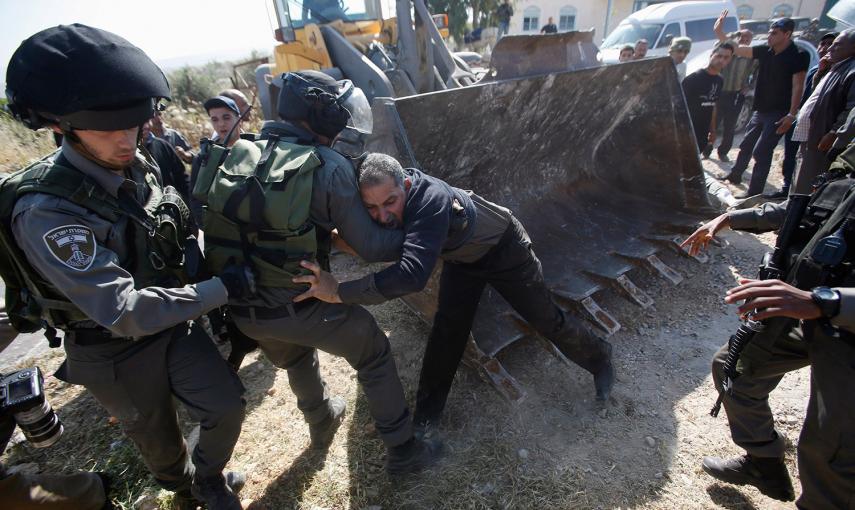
column 21, row 145
column 577, row 454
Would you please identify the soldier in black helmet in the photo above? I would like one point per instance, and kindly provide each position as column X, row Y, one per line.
column 107, row 255
column 302, row 187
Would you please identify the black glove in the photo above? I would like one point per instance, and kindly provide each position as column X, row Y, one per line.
column 238, row 279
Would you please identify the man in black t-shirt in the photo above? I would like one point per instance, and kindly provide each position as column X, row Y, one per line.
column 780, row 82
column 549, row 28
column 702, row 89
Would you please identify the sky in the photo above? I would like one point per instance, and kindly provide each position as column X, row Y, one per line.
column 171, row 32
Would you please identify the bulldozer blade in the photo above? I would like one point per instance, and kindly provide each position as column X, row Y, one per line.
column 516, row 56
column 590, row 162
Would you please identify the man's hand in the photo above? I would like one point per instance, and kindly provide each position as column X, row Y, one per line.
column 824, row 64
column 718, row 27
column 184, row 155
column 711, row 137
column 827, row 141
column 340, row 244
column 701, row 237
column 324, row 286
column 772, row 298
column 784, row 124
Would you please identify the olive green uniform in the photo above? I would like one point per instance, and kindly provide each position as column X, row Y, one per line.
column 133, row 348
column 826, row 452
column 289, row 333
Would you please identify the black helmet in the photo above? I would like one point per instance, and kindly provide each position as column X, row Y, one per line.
column 81, row 77
column 326, row 104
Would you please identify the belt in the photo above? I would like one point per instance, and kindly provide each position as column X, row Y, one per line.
column 89, row 337
column 276, row 312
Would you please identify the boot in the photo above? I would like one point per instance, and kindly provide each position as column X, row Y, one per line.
column 322, row 433
column 769, row 474
column 412, row 456
column 217, row 493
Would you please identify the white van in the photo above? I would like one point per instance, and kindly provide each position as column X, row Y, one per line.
column 660, row 23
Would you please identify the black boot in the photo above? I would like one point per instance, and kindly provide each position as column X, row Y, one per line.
column 218, row 492
column 732, row 177
column 412, row 456
column 769, row 474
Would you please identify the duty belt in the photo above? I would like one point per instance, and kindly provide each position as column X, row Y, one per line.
column 277, row 312
column 87, row 337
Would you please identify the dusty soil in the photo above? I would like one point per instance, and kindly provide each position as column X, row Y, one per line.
column 555, row 449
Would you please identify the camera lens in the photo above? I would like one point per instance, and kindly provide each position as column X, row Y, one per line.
column 40, row 424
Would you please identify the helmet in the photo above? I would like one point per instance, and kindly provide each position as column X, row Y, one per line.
column 326, row 104
column 81, row 77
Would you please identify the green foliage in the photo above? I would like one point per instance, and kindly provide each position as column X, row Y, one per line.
column 201, row 82
column 457, row 15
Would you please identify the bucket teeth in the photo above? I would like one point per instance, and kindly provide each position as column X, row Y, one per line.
column 701, row 257
column 601, row 317
column 663, row 269
column 492, row 371
column 629, row 289
column 636, row 294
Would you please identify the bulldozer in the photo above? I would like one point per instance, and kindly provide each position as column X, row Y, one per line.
column 598, row 162
column 392, row 57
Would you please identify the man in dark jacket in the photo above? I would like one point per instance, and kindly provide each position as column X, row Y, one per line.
column 480, row 243
column 171, row 168
column 825, row 111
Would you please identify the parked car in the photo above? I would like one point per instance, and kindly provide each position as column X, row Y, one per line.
column 660, row 23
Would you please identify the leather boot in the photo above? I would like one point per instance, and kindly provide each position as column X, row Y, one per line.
column 769, row 474
column 412, row 456
column 218, row 492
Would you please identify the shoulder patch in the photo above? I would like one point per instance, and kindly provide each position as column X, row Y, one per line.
column 73, row 245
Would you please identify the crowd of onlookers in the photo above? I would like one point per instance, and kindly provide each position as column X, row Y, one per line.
column 810, row 108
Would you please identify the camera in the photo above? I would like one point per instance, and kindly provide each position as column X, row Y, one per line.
column 22, row 396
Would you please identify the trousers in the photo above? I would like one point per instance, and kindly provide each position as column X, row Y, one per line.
column 512, row 268
column 760, row 141
column 137, row 381
column 826, row 450
column 291, row 342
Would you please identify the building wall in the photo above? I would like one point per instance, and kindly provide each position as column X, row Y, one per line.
column 592, row 13
column 763, row 9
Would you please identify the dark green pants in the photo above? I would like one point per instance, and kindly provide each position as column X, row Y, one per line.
column 137, row 381
column 827, row 442
column 290, row 342
column 752, row 426
column 826, row 450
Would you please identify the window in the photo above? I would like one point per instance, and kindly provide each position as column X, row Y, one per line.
column 702, row 29
column 782, row 11
column 745, row 11
column 567, row 18
column 531, row 19
column 671, row 31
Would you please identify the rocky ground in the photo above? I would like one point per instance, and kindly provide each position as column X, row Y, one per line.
column 555, row 449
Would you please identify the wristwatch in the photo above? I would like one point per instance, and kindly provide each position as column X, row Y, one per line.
column 828, row 301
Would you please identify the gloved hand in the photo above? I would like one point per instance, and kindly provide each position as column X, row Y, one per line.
column 238, row 279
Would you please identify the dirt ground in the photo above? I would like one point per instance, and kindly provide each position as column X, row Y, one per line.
column 555, row 449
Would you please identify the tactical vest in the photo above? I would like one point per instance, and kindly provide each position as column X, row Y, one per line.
column 831, row 212
column 159, row 231
column 258, row 196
